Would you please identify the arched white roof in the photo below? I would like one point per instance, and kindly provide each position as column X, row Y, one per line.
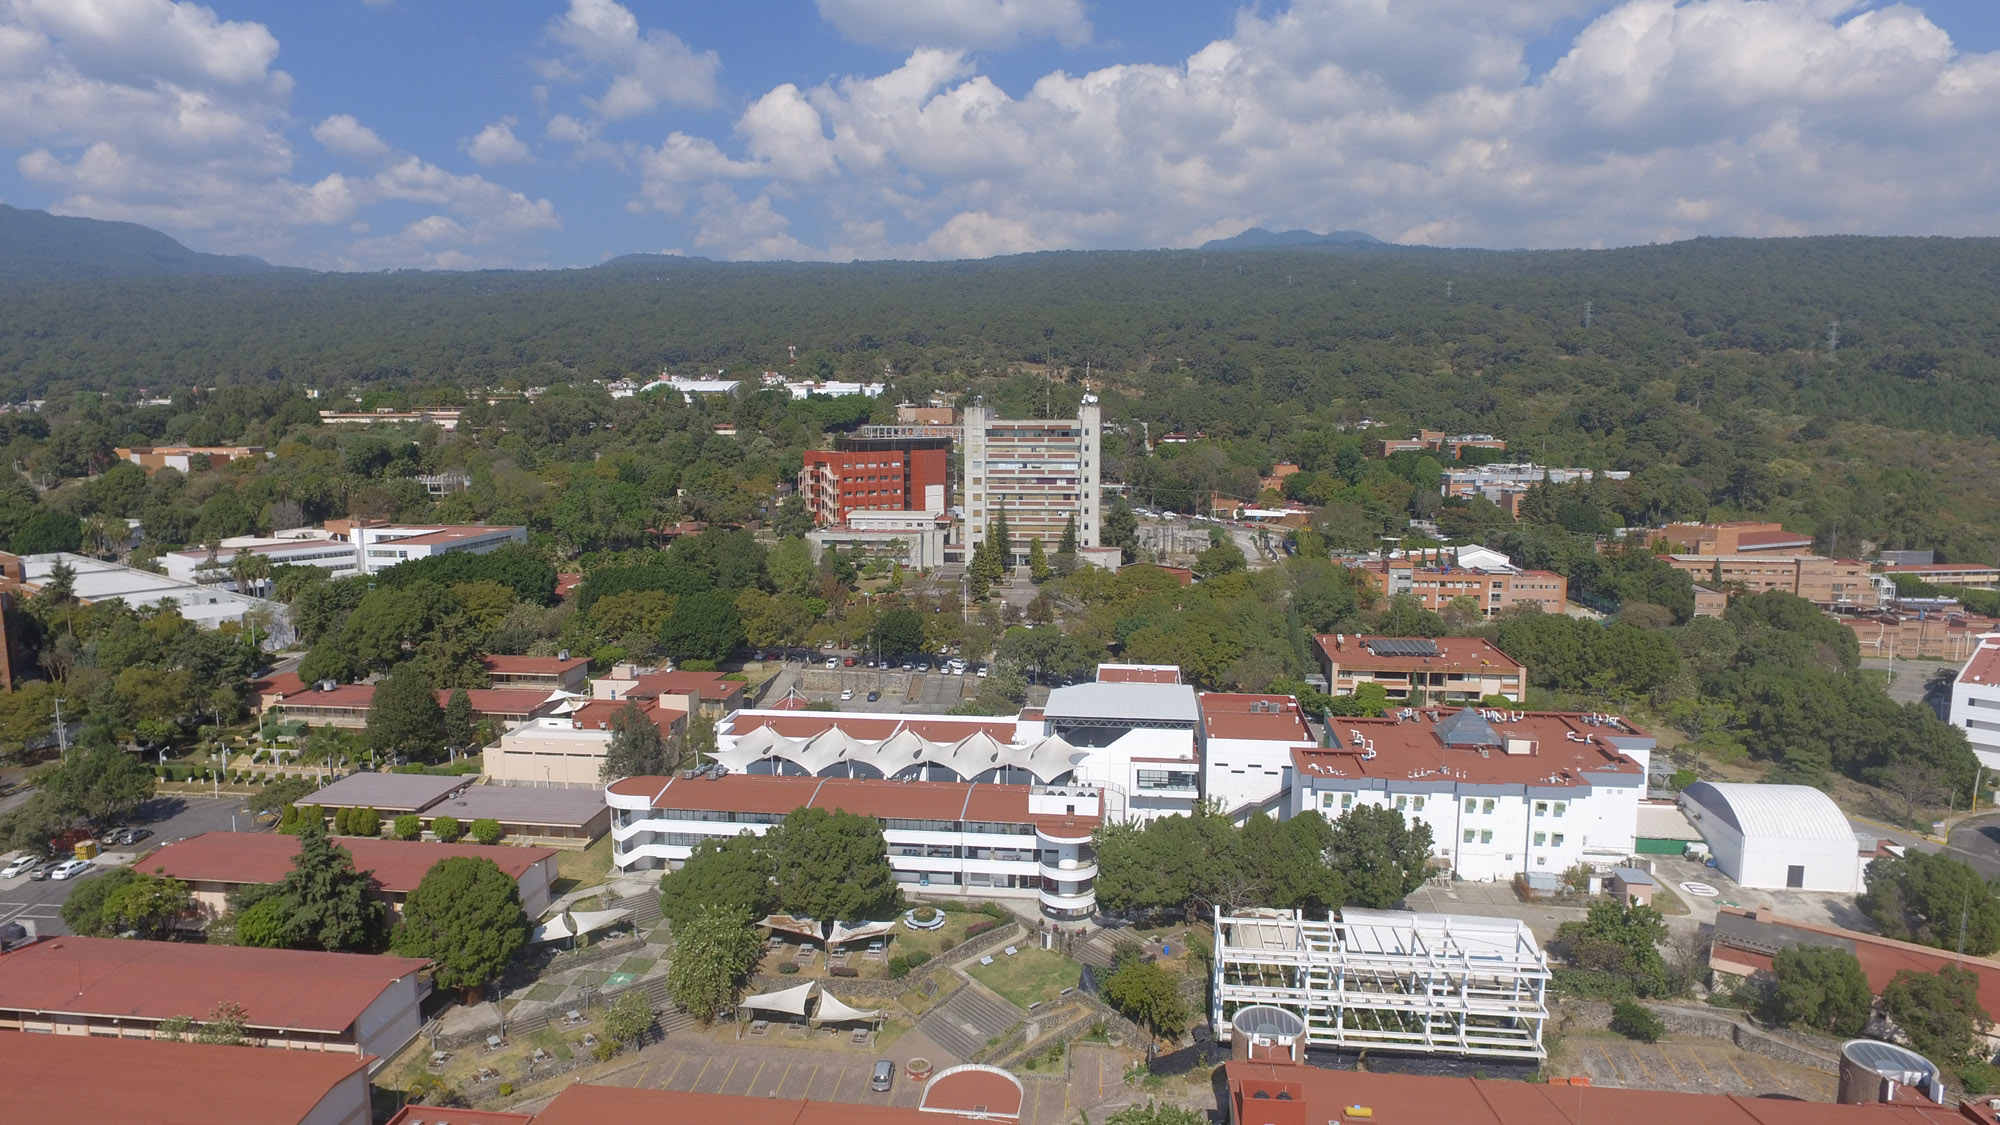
column 1793, row 812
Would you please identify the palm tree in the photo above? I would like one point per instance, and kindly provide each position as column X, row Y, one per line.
column 249, row 570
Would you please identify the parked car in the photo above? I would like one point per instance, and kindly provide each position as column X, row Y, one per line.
column 923, row 665
column 982, row 672
column 909, row 666
column 874, row 696
column 846, row 694
column 833, row 661
column 884, row 1076
column 70, row 869
column 20, row 865
column 111, row 835
column 41, row 872
column 130, row 836
column 849, row 662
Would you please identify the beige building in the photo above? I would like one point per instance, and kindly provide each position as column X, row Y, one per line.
column 1040, row 472
column 1735, row 537
column 1440, row 669
column 570, row 749
column 1821, row 581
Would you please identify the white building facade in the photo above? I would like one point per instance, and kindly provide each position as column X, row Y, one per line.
column 1246, row 750
column 944, row 838
column 1040, row 472
column 1776, row 836
column 345, row 550
column 1975, row 700
column 1504, row 793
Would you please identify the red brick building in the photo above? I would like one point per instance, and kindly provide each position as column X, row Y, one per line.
column 896, row 477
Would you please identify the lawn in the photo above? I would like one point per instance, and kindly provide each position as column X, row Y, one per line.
column 587, row 868
column 1029, row 977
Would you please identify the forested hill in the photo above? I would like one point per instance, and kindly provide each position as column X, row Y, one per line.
column 37, row 247
column 1257, row 238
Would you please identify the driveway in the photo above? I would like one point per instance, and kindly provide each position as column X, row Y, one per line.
column 170, row 818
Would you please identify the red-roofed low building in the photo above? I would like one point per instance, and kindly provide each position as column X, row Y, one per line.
column 953, row 838
column 294, row 998
column 59, row 1079
column 1138, row 673
column 216, row 864
column 1505, row 793
column 537, row 673
column 1424, row 669
column 706, row 692
column 1283, row 1093
column 1246, row 749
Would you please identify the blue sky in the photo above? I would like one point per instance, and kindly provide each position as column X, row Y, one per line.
column 370, row 134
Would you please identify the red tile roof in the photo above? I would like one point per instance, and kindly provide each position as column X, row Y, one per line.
column 1232, row 715
column 351, row 697
column 1983, row 668
column 903, row 800
column 74, row 1078
column 533, row 665
column 280, row 684
column 1138, row 674
column 1881, row 958
column 707, row 685
column 440, row 1115
column 264, row 857
column 502, row 701
column 154, row 980
column 1316, row 1095
column 596, row 715
column 1411, row 750
column 1469, row 654
column 1770, row 540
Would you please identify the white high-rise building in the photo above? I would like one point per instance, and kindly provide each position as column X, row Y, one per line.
column 1040, row 472
column 1975, row 700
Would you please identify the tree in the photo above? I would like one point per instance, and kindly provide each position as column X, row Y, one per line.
column 83, row 910
column 700, row 737
column 792, row 519
column 1002, row 539
column 465, row 916
column 629, row 1019
column 1380, row 856
column 714, row 951
column 1621, row 944
column 832, row 866
column 1935, row 900
column 460, row 723
column 329, row 905
column 1148, row 994
column 1068, row 543
column 1121, row 530
column 263, row 924
column 1939, row 1014
column 1038, row 561
column 485, row 831
column 736, row 873
column 447, row 828
column 227, row 1025
column 101, row 784
column 408, row 826
column 1154, row 1114
column 1821, row 988
column 899, row 630
column 151, row 906
column 702, row 626
column 404, row 719
column 1220, row 558
column 637, row 748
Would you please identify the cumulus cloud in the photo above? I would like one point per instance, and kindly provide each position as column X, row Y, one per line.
column 1419, row 121
column 343, row 135
column 957, row 23
column 160, row 112
column 497, row 144
column 645, row 68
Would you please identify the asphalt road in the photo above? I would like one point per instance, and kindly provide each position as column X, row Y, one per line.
column 170, row 818
column 1976, row 840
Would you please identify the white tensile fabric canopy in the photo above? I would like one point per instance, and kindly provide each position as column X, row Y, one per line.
column 575, row 924
column 859, row 931
column 786, row 923
column 555, row 929
column 791, row 1001
column 833, row 1010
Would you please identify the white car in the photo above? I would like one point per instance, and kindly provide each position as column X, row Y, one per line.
column 833, row 661
column 20, row 865
column 846, row 694
column 982, row 672
column 71, row 868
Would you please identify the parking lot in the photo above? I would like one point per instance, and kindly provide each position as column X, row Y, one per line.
column 169, row 818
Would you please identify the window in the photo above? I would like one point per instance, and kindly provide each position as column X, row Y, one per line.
column 1402, row 804
column 1419, row 806
column 1471, row 804
column 1486, row 806
column 1486, row 835
column 1468, row 835
column 1541, row 808
column 1557, row 839
column 1561, row 807
column 1346, row 801
column 1541, row 838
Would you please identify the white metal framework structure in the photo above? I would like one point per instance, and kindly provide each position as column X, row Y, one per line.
column 1425, row 983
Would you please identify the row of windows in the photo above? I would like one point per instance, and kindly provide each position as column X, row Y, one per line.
column 1485, row 836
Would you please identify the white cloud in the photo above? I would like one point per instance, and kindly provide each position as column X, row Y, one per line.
column 957, row 23
column 159, row 112
column 1416, row 120
column 497, row 144
column 645, row 67
column 343, row 135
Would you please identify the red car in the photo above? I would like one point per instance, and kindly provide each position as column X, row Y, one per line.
column 847, row 663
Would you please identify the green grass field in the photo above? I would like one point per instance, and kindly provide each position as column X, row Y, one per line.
column 1029, row 977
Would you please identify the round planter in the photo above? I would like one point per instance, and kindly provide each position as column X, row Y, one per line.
column 917, row 1069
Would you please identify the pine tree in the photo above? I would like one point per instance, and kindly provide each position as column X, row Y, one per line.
column 1002, row 539
column 1067, row 545
column 329, row 905
column 460, row 722
column 1038, row 561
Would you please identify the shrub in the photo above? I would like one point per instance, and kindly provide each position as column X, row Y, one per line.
column 506, row 1089
column 447, row 828
column 409, row 826
column 843, row 971
column 288, row 820
column 994, row 911
column 1636, row 1021
column 604, row 1050
column 788, row 968
column 977, row 928
column 916, row 958
column 899, row 967
column 486, row 830
column 343, row 822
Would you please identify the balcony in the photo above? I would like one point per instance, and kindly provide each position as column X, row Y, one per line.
column 1069, row 870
